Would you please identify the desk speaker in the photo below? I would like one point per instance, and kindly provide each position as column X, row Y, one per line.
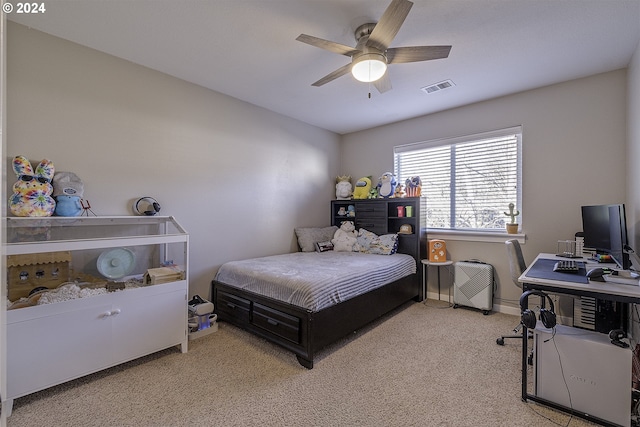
column 437, row 250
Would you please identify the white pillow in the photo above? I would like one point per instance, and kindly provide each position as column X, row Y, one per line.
column 371, row 243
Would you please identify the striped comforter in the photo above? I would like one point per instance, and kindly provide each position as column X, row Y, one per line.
column 315, row 280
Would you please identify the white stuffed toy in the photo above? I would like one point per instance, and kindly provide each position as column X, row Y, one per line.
column 346, row 238
column 344, row 189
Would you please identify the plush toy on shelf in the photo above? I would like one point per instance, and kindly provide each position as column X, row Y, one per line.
column 399, row 191
column 32, row 192
column 68, row 190
column 387, row 185
column 344, row 189
column 413, row 186
column 363, row 186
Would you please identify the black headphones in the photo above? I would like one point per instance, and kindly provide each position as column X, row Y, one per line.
column 616, row 336
column 149, row 205
column 528, row 317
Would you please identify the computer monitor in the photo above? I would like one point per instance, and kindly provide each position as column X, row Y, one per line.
column 618, row 233
column 605, row 230
column 595, row 225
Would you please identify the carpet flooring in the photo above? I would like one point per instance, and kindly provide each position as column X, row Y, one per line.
column 425, row 364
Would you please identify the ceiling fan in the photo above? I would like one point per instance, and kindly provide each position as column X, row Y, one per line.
column 372, row 54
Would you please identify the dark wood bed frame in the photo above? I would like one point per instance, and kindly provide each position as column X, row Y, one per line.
column 302, row 331
column 305, row 332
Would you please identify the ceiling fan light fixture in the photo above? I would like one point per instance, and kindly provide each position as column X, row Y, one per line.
column 369, row 67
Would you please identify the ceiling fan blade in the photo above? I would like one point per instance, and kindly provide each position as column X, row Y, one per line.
column 398, row 55
column 327, row 45
column 334, row 75
column 383, row 84
column 389, row 24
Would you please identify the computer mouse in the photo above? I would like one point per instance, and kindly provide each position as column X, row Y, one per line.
column 595, row 273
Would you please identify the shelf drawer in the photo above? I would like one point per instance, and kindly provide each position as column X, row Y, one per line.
column 378, row 226
column 232, row 306
column 277, row 322
column 371, row 210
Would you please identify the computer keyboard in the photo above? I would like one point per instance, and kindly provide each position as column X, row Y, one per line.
column 566, row 266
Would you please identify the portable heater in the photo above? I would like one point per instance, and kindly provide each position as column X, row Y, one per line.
column 473, row 285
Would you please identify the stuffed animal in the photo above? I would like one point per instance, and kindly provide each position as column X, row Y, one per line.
column 68, row 206
column 399, row 191
column 68, row 189
column 345, row 238
column 344, row 189
column 32, row 192
column 413, row 186
column 387, row 185
column 363, row 186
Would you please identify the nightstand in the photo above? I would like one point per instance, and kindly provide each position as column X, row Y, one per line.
column 426, row 264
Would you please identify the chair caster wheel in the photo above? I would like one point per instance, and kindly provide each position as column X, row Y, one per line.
column 485, row 312
column 455, row 306
column 500, row 341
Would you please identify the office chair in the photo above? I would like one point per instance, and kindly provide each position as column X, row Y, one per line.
column 517, row 266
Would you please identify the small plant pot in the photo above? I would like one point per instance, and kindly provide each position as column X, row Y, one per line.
column 512, row 228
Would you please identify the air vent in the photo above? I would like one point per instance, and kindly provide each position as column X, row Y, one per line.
column 438, row 86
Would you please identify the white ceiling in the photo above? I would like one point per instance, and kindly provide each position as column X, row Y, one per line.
column 247, row 48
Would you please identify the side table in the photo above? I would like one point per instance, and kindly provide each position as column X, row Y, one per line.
column 426, row 264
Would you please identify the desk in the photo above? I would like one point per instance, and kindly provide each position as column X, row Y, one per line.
column 601, row 290
column 428, row 263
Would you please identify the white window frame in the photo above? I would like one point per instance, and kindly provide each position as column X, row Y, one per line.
column 470, row 234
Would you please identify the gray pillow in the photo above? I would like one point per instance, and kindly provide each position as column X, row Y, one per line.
column 309, row 236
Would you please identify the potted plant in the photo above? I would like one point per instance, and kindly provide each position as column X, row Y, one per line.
column 512, row 227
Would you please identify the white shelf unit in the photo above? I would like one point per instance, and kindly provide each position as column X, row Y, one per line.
column 53, row 343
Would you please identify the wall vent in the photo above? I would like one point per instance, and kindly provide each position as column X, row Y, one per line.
column 437, row 86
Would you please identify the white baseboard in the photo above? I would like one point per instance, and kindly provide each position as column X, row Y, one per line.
column 515, row 311
column 443, row 297
column 506, row 309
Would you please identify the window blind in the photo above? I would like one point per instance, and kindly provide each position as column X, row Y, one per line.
column 468, row 181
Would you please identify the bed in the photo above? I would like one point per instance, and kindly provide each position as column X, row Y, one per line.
column 306, row 300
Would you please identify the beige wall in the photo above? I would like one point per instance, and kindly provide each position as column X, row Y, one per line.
column 239, row 178
column 574, row 149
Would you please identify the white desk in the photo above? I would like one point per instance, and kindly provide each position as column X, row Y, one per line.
column 601, row 290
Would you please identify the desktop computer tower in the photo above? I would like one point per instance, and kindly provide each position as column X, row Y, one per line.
column 599, row 315
column 583, row 371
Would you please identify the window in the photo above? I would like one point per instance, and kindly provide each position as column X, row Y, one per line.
column 468, row 181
